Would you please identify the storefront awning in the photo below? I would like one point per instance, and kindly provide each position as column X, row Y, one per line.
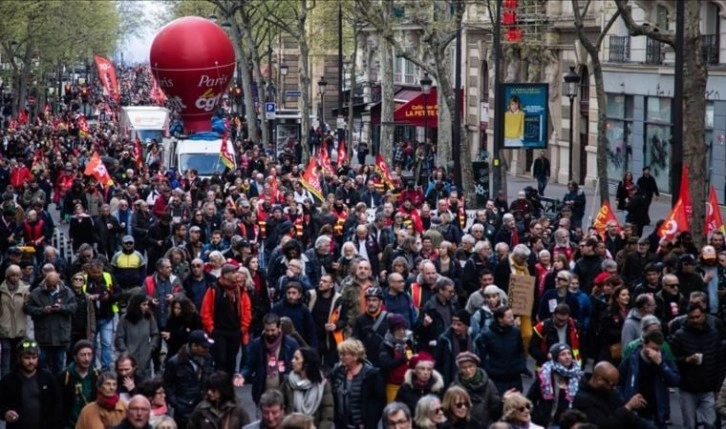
column 420, row 111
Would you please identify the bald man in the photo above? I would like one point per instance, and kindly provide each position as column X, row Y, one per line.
column 51, row 306
column 602, row 405
column 138, row 412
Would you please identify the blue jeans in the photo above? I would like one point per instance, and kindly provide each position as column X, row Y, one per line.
column 541, row 184
column 53, row 358
column 698, row 408
column 105, row 331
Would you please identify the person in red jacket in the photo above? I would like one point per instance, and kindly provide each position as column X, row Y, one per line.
column 226, row 316
column 19, row 173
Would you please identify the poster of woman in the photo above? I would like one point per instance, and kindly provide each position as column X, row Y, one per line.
column 526, row 115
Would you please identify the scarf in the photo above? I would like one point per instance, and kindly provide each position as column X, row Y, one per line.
column 572, row 375
column 455, row 344
column 474, row 382
column 273, row 370
column 306, row 396
column 420, row 384
column 107, row 402
column 159, row 410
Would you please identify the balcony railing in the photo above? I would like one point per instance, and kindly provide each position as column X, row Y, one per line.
column 709, row 48
column 619, row 49
column 654, row 52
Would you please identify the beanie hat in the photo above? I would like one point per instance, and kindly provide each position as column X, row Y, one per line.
column 467, row 357
column 82, row 344
column 420, row 357
column 396, row 321
column 558, row 348
column 600, row 278
column 463, row 316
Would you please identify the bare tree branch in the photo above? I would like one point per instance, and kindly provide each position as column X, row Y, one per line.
column 607, row 27
column 642, row 30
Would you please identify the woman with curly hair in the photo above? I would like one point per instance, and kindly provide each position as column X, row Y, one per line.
column 183, row 319
column 518, row 412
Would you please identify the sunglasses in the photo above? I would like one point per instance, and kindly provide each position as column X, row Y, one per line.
column 77, row 279
column 438, row 410
column 128, row 243
column 524, row 408
column 462, row 405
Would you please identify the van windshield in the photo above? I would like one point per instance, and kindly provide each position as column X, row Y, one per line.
column 206, row 164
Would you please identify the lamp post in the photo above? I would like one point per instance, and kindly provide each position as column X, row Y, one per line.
column 322, row 83
column 283, row 73
column 426, row 90
column 572, row 80
column 213, row 17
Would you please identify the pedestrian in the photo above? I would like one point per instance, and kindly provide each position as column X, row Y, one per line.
column 78, row 383
column 649, row 187
column 138, row 334
column 555, row 386
column 219, row 408
column 306, row 390
column 541, row 171
column 107, row 410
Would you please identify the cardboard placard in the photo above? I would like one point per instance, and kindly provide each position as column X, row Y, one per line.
column 521, row 294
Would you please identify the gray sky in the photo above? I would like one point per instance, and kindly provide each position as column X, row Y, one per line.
column 137, row 49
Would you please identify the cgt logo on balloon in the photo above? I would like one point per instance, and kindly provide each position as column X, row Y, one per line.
column 208, row 101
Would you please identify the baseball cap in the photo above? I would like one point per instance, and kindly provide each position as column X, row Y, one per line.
column 708, row 252
column 128, row 239
column 200, row 337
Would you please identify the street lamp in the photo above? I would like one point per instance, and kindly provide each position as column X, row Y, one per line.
column 213, row 17
column 283, row 72
column 226, row 25
column 426, row 90
column 572, row 80
column 322, row 83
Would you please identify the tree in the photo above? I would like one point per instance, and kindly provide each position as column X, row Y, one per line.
column 580, row 10
column 694, row 102
column 436, row 26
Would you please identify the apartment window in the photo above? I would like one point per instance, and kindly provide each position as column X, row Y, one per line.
column 657, row 145
column 619, row 49
column 619, row 114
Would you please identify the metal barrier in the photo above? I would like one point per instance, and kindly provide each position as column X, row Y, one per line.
column 63, row 244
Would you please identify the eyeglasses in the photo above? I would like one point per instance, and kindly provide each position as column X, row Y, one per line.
column 462, row 405
column 673, row 284
column 129, row 243
column 524, row 408
column 197, row 265
column 77, row 279
column 438, row 410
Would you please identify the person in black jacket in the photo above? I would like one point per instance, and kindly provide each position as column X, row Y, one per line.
column 649, row 187
column 454, row 340
column 358, row 388
column 541, row 172
column 502, row 351
column 602, row 405
column 697, row 348
column 23, row 406
column 185, row 375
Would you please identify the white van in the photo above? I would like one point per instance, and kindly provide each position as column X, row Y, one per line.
column 145, row 123
column 200, row 155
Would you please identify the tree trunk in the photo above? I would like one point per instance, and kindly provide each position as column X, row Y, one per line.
column 694, row 108
column 446, row 102
column 262, row 97
column 387, row 104
column 244, row 68
column 353, row 62
column 602, row 140
column 304, row 83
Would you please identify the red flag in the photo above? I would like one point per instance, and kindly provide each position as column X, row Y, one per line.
column 677, row 221
column 310, row 179
column 13, row 125
column 714, row 221
column 685, row 192
column 227, row 153
column 47, row 111
column 342, row 151
column 604, row 216
column 325, row 160
column 97, row 169
column 107, row 74
column 384, row 170
column 22, row 117
column 138, row 153
column 83, row 129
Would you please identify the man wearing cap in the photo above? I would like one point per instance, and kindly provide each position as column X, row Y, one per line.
column 635, row 262
column 129, row 267
column 185, row 375
column 77, row 382
column 29, row 395
column 688, row 278
column 454, row 340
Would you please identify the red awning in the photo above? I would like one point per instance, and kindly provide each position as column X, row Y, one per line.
column 420, row 111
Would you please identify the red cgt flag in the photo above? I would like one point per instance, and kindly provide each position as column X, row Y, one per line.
column 97, row 169
column 342, row 152
column 677, row 221
column 22, row 117
column 107, row 74
column 311, row 179
column 138, row 153
column 325, row 160
column 604, row 216
column 685, row 192
column 714, row 221
column 384, row 170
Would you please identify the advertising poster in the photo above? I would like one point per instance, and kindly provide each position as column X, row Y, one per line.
column 525, row 115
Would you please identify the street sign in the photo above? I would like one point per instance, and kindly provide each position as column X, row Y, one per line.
column 270, row 109
column 292, row 93
column 340, row 122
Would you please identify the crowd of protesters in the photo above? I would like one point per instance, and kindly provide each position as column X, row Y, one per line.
column 381, row 305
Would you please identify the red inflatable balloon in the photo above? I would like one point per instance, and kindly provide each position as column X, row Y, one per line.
column 193, row 61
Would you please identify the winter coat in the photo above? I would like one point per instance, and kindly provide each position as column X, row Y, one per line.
column 184, row 380
column 94, row 417
column 409, row 394
column 631, row 327
column 372, row 395
column 587, row 268
column 67, row 381
column 11, row 398
column 139, row 339
column 255, row 368
column 301, row 318
column 606, row 409
column 325, row 413
column 667, row 375
column 501, row 351
column 54, row 328
column 707, row 376
column 12, row 316
column 229, row 415
column 486, row 404
column 445, row 357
